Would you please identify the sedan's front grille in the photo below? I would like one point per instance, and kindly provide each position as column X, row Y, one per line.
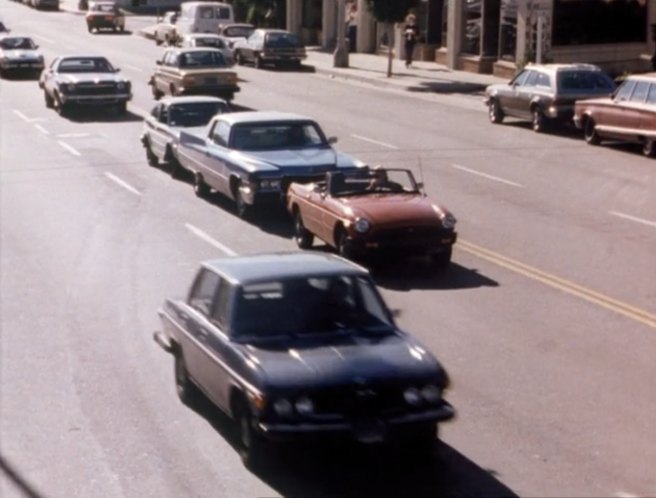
column 412, row 235
column 95, row 89
column 359, row 401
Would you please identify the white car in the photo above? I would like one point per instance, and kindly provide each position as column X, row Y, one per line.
column 19, row 54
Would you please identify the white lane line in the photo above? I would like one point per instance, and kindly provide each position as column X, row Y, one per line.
column 624, row 494
column 21, row 115
column 134, row 68
column 42, row 129
column 376, row 142
column 122, row 183
column 633, row 218
column 209, row 239
column 73, row 135
column 485, row 175
column 43, row 38
column 69, row 148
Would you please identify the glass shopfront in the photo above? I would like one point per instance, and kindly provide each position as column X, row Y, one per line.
column 508, row 30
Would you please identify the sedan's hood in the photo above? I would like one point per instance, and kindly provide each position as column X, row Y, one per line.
column 176, row 130
column 299, row 161
column 21, row 54
column 88, row 77
column 351, row 359
column 394, row 209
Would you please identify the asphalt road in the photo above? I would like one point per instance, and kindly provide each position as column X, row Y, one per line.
column 546, row 320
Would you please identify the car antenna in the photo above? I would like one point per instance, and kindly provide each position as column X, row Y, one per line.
column 421, row 175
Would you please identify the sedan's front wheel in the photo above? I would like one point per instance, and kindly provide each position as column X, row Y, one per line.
column 187, row 391
column 494, row 112
column 48, row 100
column 251, row 445
column 538, row 120
column 243, row 209
column 201, row 189
column 150, row 155
column 649, row 147
column 60, row 107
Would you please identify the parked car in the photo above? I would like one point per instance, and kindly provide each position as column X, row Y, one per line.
column 184, row 71
column 251, row 157
column 372, row 211
column 89, row 81
column 166, row 29
column 207, row 40
column 19, row 54
column 162, row 127
column 232, row 33
column 105, row 15
column 545, row 93
column 629, row 114
column 270, row 46
column 46, row 4
column 297, row 345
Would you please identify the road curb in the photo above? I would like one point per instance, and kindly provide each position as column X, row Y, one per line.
column 360, row 79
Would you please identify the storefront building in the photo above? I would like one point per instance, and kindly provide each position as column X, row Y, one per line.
column 499, row 36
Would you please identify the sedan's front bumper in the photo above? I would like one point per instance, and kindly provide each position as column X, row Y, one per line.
column 95, row 100
column 21, row 65
column 363, row 429
column 405, row 244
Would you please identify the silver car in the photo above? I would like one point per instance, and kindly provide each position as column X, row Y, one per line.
column 162, row 127
column 84, row 81
column 19, row 54
column 209, row 40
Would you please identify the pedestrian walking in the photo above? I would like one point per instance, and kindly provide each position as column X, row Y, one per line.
column 410, row 35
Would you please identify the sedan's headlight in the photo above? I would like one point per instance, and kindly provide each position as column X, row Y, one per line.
column 283, row 407
column 449, row 221
column 304, row 406
column 431, row 394
column 361, row 225
column 69, row 87
column 270, row 184
column 412, row 396
column 120, row 85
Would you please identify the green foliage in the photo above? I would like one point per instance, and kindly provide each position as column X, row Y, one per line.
column 391, row 10
column 261, row 13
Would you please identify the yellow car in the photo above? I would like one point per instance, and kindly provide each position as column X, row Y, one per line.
column 194, row 71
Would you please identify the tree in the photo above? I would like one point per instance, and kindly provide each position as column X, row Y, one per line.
column 389, row 12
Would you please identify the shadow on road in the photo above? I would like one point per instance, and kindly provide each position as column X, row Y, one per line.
column 14, row 475
column 83, row 115
column 448, row 87
column 348, row 470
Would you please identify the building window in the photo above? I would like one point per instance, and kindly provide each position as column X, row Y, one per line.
column 508, row 31
column 473, row 23
column 585, row 22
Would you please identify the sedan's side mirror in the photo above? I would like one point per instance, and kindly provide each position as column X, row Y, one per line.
column 35, row 47
column 159, row 63
column 332, row 140
column 117, row 69
column 420, row 185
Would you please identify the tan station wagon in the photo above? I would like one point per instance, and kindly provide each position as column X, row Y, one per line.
column 196, row 71
column 629, row 114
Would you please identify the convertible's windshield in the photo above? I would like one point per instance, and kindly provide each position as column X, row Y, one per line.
column 194, row 113
column 18, row 43
column 371, row 181
column 277, row 136
column 310, row 305
column 85, row 65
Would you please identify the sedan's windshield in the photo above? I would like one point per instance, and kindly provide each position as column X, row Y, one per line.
column 282, row 40
column 310, row 305
column 584, row 81
column 17, row 43
column 238, row 31
column 277, row 136
column 209, row 41
column 371, row 181
column 85, row 65
column 194, row 113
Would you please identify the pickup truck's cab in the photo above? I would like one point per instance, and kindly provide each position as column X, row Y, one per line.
column 252, row 157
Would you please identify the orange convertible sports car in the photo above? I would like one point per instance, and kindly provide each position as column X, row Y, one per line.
column 379, row 210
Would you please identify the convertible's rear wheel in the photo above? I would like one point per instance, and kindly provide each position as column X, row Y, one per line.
column 302, row 235
column 187, row 391
column 201, row 188
column 251, row 444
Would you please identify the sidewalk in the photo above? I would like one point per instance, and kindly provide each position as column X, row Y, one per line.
column 429, row 77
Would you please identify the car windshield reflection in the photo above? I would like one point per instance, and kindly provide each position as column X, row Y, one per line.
column 310, row 306
column 202, row 59
column 374, row 181
column 85, row 65
column 277, row 136
column 17, row 44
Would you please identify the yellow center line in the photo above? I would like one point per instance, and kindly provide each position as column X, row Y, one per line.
column 562, row 284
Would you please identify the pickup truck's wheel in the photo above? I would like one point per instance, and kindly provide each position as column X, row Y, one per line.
column 48, row 100
column 187, row 391
column 649, row 147
column 303, row 237
column 538, row 120
column 201, row 189
column 257, row 61
column 442, row 259
column 150, row 155
column 590, row 132
column 494, row 112
column 251, row 444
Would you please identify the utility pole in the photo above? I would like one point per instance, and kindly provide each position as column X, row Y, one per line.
column 341, row 55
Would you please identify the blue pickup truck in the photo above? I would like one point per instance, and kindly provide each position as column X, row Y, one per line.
column 252, row 157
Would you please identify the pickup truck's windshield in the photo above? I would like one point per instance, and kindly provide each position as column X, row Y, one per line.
column 309, row 306
column 277, row 136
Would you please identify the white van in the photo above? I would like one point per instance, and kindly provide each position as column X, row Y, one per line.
column 204, row 17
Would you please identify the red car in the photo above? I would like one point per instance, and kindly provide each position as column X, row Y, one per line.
column 369, row 211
